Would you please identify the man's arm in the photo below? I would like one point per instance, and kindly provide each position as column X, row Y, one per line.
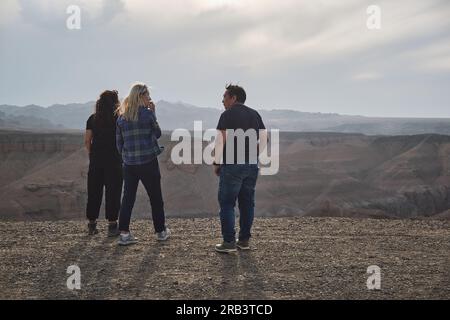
column 221, row 138
column 219, row 143
column 263, row 136
column 263, row 140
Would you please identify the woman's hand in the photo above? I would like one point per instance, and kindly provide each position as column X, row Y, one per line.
column 151, row 106
column 147, row 101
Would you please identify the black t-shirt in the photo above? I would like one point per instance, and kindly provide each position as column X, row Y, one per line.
column 242, row 117
column 103, row 149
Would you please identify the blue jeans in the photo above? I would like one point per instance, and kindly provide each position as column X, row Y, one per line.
column 150, row 176
column 237, row 181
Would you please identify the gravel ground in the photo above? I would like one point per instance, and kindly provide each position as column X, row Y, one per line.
column 291, row 258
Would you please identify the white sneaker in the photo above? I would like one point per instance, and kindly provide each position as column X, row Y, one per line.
column 163, row 235
column 125, row 240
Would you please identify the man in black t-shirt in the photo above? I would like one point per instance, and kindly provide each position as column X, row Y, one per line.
column 239, row 128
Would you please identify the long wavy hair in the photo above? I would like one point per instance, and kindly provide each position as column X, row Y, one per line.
column 105, row 108
column 130, row 105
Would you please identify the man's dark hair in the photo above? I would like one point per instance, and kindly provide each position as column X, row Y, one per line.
column 236, row 91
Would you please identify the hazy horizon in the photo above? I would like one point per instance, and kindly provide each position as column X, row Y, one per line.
column 221, row 108
column 305, row 56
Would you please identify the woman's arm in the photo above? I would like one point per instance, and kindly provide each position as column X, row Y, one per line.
column 157, row 129
column 151, row 106
column 88, row 140
column 119, row 139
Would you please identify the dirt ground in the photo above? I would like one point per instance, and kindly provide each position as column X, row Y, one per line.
column 291, row 258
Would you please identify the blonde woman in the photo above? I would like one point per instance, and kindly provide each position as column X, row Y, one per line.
column 137, row 137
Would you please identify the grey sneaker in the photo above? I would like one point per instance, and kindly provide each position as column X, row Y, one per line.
column 226, row 247
column 125, row 240
column 163, row 235
column 113, row 230
column 243, row 245
column 92, row 228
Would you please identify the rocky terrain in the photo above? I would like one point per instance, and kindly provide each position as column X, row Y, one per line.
column 291, row 258
column 321, row 174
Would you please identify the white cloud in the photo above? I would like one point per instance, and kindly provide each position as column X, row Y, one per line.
column 433, row 57
column 366, row 76
column 51, row 14
column 268, row 33
column 9, row 11
column 285, row 50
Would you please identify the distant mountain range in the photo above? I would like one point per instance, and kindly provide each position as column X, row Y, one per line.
column 182, row 115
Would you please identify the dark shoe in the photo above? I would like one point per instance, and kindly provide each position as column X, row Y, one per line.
column 113, row 230
column 226, row 247
column 243, row 245
column 92, row 227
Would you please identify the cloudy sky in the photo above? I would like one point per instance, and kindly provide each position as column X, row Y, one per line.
column 316, row 55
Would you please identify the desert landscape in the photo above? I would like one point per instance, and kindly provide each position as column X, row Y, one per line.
column 340, row 203
column 291, row 258
column 357, row 92
column 321, row 174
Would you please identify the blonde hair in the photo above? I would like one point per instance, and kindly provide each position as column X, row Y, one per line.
column 129, row 108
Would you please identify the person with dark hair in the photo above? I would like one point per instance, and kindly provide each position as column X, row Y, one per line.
column 234, row 91
column 105, row 163
column 238, row 173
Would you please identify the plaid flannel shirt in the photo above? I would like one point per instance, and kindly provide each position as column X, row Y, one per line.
column 137, row 141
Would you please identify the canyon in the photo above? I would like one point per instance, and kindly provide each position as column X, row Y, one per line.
column 321, row 174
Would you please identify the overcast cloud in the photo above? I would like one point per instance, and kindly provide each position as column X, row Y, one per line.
column 315, row 56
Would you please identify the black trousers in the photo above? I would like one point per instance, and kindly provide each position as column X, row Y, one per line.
column 110, row 178
column 150, row 176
